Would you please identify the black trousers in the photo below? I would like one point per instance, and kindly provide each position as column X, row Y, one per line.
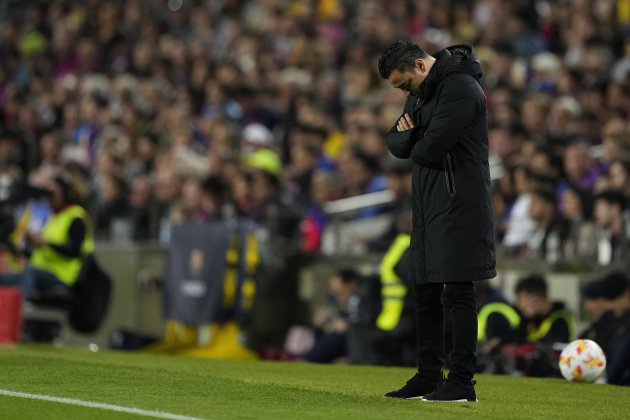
column 457, row 300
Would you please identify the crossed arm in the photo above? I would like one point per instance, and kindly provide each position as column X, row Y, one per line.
column 456, row 108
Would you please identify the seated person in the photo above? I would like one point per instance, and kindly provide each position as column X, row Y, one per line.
column 498, row 321
column 542, row 320
column 606, row 326
column 58, row 250
column 498, row 324
column 543, row 324
column 618, row 368
column 331, row 327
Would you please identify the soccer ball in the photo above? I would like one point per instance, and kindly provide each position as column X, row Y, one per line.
column 582, row 361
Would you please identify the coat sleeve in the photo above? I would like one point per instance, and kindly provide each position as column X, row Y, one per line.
column 400, row 143
column 456, row 108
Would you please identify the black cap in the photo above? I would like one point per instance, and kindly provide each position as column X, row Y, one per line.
column 614, row 284
column 609, row 287
column 592, row 290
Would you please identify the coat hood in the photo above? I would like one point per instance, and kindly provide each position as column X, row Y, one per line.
column 455, row 59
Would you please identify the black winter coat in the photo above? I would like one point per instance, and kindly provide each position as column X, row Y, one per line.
column 453, row 233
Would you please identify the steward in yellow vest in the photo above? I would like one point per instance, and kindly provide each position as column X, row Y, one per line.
column 501, row 310
column 395, row 341
column 542, row 319
column 393, row 288
column 59, row 249
column 497, row 320
column 65, row 240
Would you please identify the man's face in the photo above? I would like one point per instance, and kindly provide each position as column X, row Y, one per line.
column 410, row 80
column 340, row 290
column 603, row 213
column 595, row 308
column 530, row 305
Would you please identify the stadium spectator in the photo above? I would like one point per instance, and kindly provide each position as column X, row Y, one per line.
column 214, row 201
column 167, row 190
column 50, row 148
column 112, row 213
column 256, row 136
column 520, row 225
column 305, row 156
column 547, row 242
column 272, row 208
column 619, row 171
column 361, row 173
column 278, row 217
column 144, row 213
column 398, row 175
column 612, row 234
column 325, row 187
column 613, row 133
column 579, row 168
column 575, row 208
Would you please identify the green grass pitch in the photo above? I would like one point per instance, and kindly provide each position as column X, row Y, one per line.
column 215, row 389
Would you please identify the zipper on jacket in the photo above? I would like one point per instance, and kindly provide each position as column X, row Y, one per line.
column 449, row 174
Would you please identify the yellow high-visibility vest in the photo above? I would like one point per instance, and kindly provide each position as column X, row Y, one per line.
column 393, row 290
column 537, row 334
column 55, row 232
column 504, row 309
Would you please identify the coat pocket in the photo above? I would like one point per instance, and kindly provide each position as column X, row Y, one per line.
column 449, row 174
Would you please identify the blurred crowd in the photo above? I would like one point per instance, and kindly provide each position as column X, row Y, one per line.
column 180, row 110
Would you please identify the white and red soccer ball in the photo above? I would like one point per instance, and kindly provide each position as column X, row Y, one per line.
column 582, row 361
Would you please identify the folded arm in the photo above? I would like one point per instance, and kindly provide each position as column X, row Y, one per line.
column 456, row 108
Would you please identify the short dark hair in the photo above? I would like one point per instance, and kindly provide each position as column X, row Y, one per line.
column 610, row 287
column 546, row 193
column 612, row 196
column 348, row 275
column 399, row 55
column 215, row 184
column 64, row 182
column 534, row 284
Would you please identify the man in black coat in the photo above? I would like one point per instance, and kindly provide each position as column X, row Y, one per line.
column 443, row 130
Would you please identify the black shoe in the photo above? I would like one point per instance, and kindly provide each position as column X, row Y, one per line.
column 415, row 388
column 453, row 391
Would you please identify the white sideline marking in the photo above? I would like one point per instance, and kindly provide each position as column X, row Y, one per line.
column 102, row 406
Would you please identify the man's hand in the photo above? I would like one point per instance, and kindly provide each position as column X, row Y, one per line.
column 36, row 239
column 404, row 123
column 340, row 325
